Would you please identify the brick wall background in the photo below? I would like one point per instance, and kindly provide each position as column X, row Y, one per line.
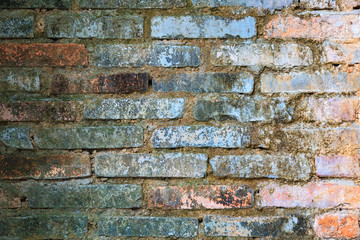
column 202, row 119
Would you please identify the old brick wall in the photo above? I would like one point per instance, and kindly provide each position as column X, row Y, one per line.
column 201, row 119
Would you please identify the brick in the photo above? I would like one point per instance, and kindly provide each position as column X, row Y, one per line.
column 315, row 25
column 177, row 27
column 93, row 25
column 16, row 26
column 45, row 166
column 243, row 109
column 209, row 197
column 262, row 54
column 311, row 195
column 349, row 5
column 175, row 165
column 329, row 109
column 262, row 166
column 318, row 4
column 338, row 225
column 138, row 55
column 337, row 166
column 220, row 82
column 16, row 137
column 200, row 136
column 216, row 225
column 37, row 111
column 61, row 4
column 148, row 227
column 9, row 196
column 337, row 53
column 85, row 196
column 265, row 4
column 20, row 80
column 142, row 4
column 87, row 82
column 43, row 227
column 323, row 81
column 130, row 108
column 89, row 137
column 42, row 54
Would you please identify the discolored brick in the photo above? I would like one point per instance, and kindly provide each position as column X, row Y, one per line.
column 20, row 80
column 49, row 4
column 12, row 26
column 337, row 166
column 10, row 196
column 139, row 4
column 16, row 137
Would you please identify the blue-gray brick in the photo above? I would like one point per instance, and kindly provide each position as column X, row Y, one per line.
column 262, row 54
column 178, row 165
column 16, row 137
column 43, row 227
column 16, row 26
column 262, row 166
column 206, row 82
column 89, row 137
column 20, row 80
column 200, row 136
column 144, row 108
column 243, row 109
column 138, row 4
column 93, row 25
column 61, row 4
column 264, row 4
column 85, row 196
column 169, row 27
column 148, row 227
column 139, row 55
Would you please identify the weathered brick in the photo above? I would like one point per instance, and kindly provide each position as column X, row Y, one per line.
column 262, row 166
column 85, row 196
column 348, row 5
column 311, row 195
column 262, row 54
column 200, row 136
column 148, row 227
column 137, row 55
column 176, row 165
column 140, row 4
column 206, row 82
column 337, row 166
column 264, row 4
column 318, row 4
column 87, row 82
column 9, row 196
column 61, row 4
column 243, row 109
column 38, row 111
column 338, row 225
column 322, row 81
column 175, row 27
column 337, row 53
column 16, row 26
column 16, row 137
column 210, row 197
column 315, row 25
column 20, row 80
column 45, row 166
column 43, row 227
column 42, row 54
column 89, row 137
column 329, row 109
column 143, row 108
column 254, row 226
column 93, row 25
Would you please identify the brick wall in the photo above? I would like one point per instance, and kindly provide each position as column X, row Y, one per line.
column 202, row 119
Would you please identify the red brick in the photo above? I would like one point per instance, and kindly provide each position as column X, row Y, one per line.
column 337, row 166
column 40, row 54
column 337, row 225
column 316, row 25
column 311, row 195
column 211, row 197
column 37, row 111
column 71, row 83
column 54, row 166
